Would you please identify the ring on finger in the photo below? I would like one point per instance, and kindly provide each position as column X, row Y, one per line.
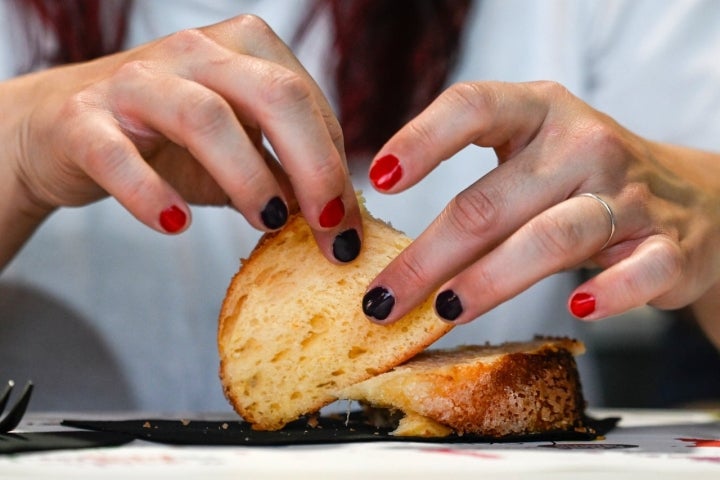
column 610, row 213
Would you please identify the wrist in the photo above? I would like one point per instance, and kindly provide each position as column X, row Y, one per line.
column 20, row 212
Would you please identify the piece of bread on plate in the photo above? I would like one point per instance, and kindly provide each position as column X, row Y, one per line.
column 292, row 331
column 293, row 338
column 516, row 388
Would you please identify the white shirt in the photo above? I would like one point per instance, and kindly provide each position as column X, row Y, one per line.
column 103, row 313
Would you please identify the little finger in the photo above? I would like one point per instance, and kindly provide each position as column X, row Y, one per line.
column 648, row 274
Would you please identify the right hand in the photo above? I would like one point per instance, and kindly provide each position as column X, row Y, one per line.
column 525, row 220
column 181, row 119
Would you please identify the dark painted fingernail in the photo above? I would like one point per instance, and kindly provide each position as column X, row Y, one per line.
column 378, row 303
column 346, row 246
column 275, row 213
column 448, row 305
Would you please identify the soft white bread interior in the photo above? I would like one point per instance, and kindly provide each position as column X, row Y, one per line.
column 292, row 332
column 510, row 389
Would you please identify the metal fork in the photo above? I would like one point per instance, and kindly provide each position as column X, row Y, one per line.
column 10, row 421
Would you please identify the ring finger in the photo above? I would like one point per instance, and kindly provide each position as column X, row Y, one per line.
column 557, row 239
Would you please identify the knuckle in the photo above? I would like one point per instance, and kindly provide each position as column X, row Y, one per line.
column 334, row 129
column 663, row 269
column 556, row 236
column 248, row 187
column 285, row 90
column 472, row 213
column 411, row 272
column 423, row 134
column 76, row 105
column 253, row 26
column 669, row 262
column 105, row 155
column 132, row 69
column 472, row 96
column 76, row 112
column 550, row 89
column 185, row 41
column 203, row 113
column 330, row 168
column 495, row 288
column 603, row 138
column 640, row 196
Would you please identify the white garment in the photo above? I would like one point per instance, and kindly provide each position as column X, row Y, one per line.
column 104, row 313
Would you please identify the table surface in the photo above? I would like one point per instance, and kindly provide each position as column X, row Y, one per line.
column 646, row 444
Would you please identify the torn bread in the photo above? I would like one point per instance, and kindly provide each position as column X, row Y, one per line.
column 292, row 332
column 494, row 391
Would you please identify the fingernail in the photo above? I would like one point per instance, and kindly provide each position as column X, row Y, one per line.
column 172, row 219
column 378, row 303
column 346, row 246
column 333, row 213
column 275, row 213
column 582, row 304
column 386, row 172
column 448, row 305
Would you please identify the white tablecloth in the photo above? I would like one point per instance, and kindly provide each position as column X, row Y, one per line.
column 646, row 444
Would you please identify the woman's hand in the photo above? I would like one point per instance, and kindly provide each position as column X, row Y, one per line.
column 178, row 120
column 528, row 219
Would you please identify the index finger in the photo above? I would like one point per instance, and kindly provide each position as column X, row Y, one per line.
column 292, row 111
column 507, row 117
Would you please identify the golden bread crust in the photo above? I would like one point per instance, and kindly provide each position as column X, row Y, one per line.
column 511, row 389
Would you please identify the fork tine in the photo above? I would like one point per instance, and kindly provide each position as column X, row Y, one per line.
column 6, row 395
column 14, row 416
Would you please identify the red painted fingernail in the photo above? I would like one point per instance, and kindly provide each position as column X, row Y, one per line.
column 582, row 304
column 333, row 213
column 172, row 219
column 386, row 172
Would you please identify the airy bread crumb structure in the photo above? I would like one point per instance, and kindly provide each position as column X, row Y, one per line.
column 292, row 332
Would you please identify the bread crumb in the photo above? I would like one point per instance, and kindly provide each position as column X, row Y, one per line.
column 312, row 421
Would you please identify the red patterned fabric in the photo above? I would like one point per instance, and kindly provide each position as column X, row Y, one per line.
column 391, row 59
column 82, row 29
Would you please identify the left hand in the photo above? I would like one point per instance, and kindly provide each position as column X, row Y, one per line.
column 525, row 219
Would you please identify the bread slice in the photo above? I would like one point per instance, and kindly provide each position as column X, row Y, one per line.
column 292, row 332
column 495, row 391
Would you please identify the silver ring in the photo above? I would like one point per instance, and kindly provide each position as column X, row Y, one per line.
column 610, row 214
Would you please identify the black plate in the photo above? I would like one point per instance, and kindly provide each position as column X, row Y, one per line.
column 329, row 429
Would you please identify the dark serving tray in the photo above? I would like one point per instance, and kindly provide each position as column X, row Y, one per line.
column 326, row 429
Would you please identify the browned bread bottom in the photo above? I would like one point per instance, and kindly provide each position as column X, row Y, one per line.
column 510, row 389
